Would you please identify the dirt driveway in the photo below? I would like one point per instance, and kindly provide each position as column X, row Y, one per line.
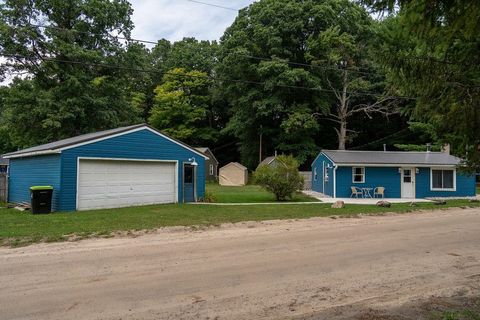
column 321, row 268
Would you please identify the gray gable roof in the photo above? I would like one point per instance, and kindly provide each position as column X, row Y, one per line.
column 202, row 149
column 347, row 157
column 3, row 161
column 267, row 160
column 207, row 152
column 55, row 146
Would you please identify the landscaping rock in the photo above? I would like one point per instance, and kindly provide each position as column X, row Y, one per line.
column 413, row 204
column 384, row 204
column 338, row 205
column 474, row 200
column 440, row 202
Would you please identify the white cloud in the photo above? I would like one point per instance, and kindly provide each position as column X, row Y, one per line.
column 176, row 19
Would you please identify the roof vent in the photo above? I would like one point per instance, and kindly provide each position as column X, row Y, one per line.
column 429, row 147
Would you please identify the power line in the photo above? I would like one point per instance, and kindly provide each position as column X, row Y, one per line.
column 381, row 139
column 230, row 51
column 300, row 64
column 240, row 54
column 104, row 65
column 427, row 58
column 89, row 33
column 213, row 5
column 293, row 63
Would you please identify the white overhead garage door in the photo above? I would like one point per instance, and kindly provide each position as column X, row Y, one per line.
column 118, row 183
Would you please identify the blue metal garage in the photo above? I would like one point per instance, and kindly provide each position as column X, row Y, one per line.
column 127, row 166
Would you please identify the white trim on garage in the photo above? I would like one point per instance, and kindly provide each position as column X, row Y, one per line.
column 75, row 145
column 131, row 131
column 32, row 154
column 130, row 160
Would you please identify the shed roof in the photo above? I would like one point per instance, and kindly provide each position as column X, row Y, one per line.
column 206, row 150
column 3, row 161
column 391, row 157
column 267, row 161
column 56, row 146
column 236, row 164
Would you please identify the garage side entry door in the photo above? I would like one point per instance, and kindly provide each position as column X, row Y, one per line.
column 119, row 183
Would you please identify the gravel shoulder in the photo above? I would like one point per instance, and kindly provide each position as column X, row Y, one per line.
column 405, row 266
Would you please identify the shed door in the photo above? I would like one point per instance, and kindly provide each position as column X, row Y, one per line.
column 117, row 183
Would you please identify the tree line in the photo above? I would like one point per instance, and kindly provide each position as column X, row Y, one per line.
column 287, row 76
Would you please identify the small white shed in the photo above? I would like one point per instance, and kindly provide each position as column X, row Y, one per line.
column 233, row 174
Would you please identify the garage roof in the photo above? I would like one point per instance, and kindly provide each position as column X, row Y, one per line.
column 58, row 146
column 348, row 157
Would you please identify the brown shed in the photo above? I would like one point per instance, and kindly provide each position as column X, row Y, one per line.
column 233, row 174
column 211, row 164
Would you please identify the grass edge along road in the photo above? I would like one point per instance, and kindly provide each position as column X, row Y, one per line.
column 22, row 228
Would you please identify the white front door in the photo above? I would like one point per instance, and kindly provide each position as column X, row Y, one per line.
column 118, row 183
column 408, row 182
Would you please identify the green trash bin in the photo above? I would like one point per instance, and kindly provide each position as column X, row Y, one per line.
column 41, row 199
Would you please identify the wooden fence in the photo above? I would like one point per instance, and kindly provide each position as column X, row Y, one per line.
column 3, row 187
column 307, row 176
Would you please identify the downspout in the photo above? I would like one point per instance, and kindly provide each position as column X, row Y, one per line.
column 335, row 181
column 323, row 177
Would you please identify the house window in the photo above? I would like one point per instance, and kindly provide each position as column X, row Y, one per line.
column 325, row 175
column 407, row 175
column 211, row 169
column 314, row 174
column 358, row 175
column 442, row 179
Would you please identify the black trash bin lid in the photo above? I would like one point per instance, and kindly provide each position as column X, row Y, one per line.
column 33, row 188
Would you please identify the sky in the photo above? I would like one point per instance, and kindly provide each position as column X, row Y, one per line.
column 176, row 19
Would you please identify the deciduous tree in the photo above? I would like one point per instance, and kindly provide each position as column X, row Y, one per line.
column 182, row 107
column 62, row 49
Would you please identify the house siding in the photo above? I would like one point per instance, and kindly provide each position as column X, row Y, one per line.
column 387, row 177
column 465, row 186
column 211, row 161
column 138, row 145
column 318, row 185
column 34, row 171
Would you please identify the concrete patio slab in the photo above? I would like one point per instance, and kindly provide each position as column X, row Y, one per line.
column 366, row 201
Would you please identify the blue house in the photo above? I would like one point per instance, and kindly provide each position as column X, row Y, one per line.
column 128, row 166
column 342, row 174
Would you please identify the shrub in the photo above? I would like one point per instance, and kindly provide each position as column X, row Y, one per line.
column 282, row 179
column 209, row 197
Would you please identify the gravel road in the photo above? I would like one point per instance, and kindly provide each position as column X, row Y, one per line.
column 365, row 268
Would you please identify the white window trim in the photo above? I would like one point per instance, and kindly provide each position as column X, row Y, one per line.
column 443, row 169
column 315, row 174
column 211, row 169
column 326, row 177
column 353, row 175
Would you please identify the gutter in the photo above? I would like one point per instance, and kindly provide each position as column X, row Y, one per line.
column 31, row 154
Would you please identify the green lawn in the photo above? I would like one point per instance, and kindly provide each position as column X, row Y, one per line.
column 248, row 194
column 21, row 228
